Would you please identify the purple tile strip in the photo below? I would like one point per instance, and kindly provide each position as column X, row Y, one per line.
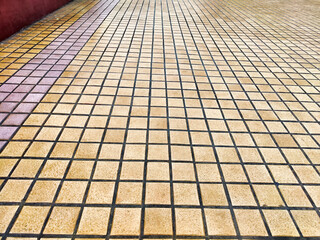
column 21, row 93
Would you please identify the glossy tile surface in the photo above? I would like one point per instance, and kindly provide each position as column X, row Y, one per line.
column 162, row 119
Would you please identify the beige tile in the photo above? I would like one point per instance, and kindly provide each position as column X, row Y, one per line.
column 233, row 173
column 282, row 174
column 134, row 152
column 132, row 170
column 268, row 195
column 189, row 222
column 129, row 193
column 94, row 220
column 80, row 170
column 241, row 195
column 30, row 220
column 219, row 222
column 308, row 222
column 158, row 152
column 27, row 168
column 250, row 222
column 258, row 173
column 185, row 194
column 54, row 169
column 6, row 165
column 39, row 149
column 158, row 171
column 62, row 220
column 294, row 196
column 158, row 221
column 181, row 153
column 158, row 193
column 213, row 195
column 106, row 170
column 110, row 151
column 72, row 192
column 204, row 154
column 100, row 192
column 43, row 191
column 280, row 223
column 87, row 150
column 126, row 221
column 14, row 190
column 314, row 192
column 63, row 150
column 6, row 214
column 14, row 149
column 183, row 172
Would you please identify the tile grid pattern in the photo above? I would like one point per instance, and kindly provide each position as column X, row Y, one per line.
column 22, row 91
column 176, row 119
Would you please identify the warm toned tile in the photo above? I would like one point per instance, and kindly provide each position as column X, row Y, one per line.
column 94, row 220
column 158, row 221
column 30, row 220
column 250, row 222
column 280, row 223
column 219, row 222
column 126, row 221
column 62, row 220
column 189, row 221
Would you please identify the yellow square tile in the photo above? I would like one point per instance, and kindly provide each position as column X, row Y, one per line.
column 43, row 191
column 106, row 170
column 72, row 192
column 94, row 221
column 268, row 195
column 126, row 221
column 189, row 222
column 158, row 152
column 134, row 152
column 157, row 171
column 48, row 133
column 14, row 149
column 114, row 136
column 63, row 150
column 80, row 170
column 181, row 153
column 62, row 220
column 92, row 135
column 129, row 193
column 308, row 222
column 280, row 223
column 54, row 169
column 158, row 221
column 295, row 196
column 14, row 190
column 219, row 222
column 213, row 195
column 6, row 214
column 250, row 222
column 158, row 193
column 30, row 220
column 27, row 168
column 241, row 195
column 185, row 194
column 132, row 171
column 110, row 151
column 101, row 193
column 39, row 149
column 87, row 150
column 6, row 166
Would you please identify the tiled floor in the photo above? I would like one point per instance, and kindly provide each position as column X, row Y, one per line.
column 162, row 119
